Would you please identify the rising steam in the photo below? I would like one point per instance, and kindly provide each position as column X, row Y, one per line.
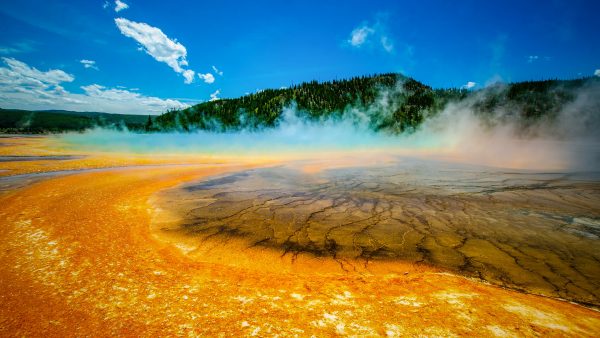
column 566, row 141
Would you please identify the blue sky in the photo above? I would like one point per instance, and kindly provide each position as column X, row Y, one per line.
column 152, row 55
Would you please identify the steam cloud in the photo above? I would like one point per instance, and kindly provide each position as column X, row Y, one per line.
column 568, row 141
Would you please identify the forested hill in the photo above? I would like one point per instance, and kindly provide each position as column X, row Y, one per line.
column 389, row 103
column 56, row 121
column 411, row 99
column 392, row 103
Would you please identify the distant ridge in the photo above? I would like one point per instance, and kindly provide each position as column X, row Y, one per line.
column 392, row 102
column 55, row 121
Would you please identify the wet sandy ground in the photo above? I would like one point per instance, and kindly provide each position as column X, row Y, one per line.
column 80, row 255
column 530, row 231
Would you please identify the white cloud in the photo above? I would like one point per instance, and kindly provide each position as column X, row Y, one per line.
column 25, row 87
column 532, row 58
column 359, row 35
column 214, row 96
column 105, row 5
column 156, row 44
column 20, row 74
column 188, row 75
column 219, row 72
column 208, row 77
column 363, row 35
column 89, row 64
column 469, row 85
column 597, row 72
column 120, row 5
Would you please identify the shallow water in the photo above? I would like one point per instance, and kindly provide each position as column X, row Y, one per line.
column 532, row 231
column 20, row 158
column 14, row 182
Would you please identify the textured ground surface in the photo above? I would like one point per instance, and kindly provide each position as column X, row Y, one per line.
column 536, row 232
column 81, row 255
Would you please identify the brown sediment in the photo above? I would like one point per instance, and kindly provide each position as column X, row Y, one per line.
column 77, row 258
column 533, row 232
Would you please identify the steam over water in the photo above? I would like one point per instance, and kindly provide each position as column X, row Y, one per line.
column 564, row 140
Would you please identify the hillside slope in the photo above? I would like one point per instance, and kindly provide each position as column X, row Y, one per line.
column 52, row 121
column 391, row 103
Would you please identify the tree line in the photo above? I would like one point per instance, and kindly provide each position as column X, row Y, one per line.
column 395, row 103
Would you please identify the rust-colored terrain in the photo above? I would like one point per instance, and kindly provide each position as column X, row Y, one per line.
column 82, row 254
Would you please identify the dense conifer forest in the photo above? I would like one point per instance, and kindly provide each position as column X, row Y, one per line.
column 392, row 102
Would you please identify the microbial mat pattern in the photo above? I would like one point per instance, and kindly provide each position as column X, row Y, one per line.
column 530, row 231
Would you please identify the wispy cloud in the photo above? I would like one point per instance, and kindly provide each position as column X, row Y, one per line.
column 219, row 72
column 8, row 50
column 120, row 5
column 371, row 35
column 469, row 85
column 18, row 47
column 215, row 96
column 536, row 58
column 89, row 64
column 359, row 35
column 25, row 87
column 387, row 44
column 497, row 49
column 154, row 42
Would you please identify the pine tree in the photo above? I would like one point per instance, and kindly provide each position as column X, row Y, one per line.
column 149, row 124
